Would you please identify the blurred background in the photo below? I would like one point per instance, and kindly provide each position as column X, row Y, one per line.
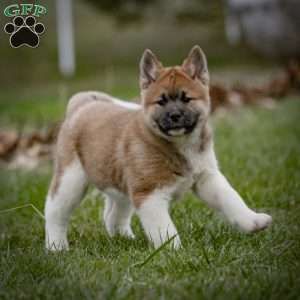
column 244, row 40
column 252, row 46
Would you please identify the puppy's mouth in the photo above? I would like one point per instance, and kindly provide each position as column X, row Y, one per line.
column 177, row 130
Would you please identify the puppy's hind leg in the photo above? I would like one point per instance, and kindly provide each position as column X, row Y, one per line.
column 65, row 194
column 117, row 215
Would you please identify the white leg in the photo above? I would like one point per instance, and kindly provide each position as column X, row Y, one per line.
column 218, row 193
column 117, row 215
column 156, row 220
column 60, row 205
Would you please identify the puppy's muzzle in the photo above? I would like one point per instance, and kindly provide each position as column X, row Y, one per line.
column 177, row 122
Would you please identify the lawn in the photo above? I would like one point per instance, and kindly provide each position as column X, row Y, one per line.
column 258, row 150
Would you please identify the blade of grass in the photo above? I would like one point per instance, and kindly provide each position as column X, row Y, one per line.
column 154, row 253
column 23, row 206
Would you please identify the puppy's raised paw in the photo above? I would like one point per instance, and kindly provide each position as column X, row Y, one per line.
column 261, row 221
column 255, row 222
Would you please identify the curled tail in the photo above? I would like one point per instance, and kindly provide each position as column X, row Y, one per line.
column 83, row 98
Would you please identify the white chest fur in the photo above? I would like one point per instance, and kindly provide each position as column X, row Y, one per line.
column 198, row 162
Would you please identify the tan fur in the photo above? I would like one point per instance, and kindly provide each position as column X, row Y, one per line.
column 117, row 147
column 83, row 98
column 123, row 154
column 175, row 78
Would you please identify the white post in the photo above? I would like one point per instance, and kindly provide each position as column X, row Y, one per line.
column 66, row 51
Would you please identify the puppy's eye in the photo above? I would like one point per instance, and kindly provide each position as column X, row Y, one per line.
column 187, row 99
column 184, row 98
column 162, row 101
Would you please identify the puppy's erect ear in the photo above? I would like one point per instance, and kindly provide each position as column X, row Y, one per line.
column 149, row 68
column 195, row 65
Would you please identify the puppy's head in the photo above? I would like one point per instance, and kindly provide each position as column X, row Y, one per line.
column 175, row 99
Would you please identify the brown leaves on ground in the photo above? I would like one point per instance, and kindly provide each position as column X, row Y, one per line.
column 8, row 142
column 265, row 95
column 29, row 150
column 26, row 150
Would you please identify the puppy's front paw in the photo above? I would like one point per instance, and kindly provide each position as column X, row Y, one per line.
column 255, row 222
column 176, row 243
column 57, row 245
column 127, row 232
column 262, row 221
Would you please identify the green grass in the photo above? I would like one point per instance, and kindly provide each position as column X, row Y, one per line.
column 259, row 152
column 46, row 103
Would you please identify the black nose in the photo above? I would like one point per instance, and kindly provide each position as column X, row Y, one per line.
column 175, row 116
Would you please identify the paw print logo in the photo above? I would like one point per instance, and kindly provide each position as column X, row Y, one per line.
column 24, row 32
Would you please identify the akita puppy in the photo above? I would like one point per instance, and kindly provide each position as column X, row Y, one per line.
column 143, row 156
